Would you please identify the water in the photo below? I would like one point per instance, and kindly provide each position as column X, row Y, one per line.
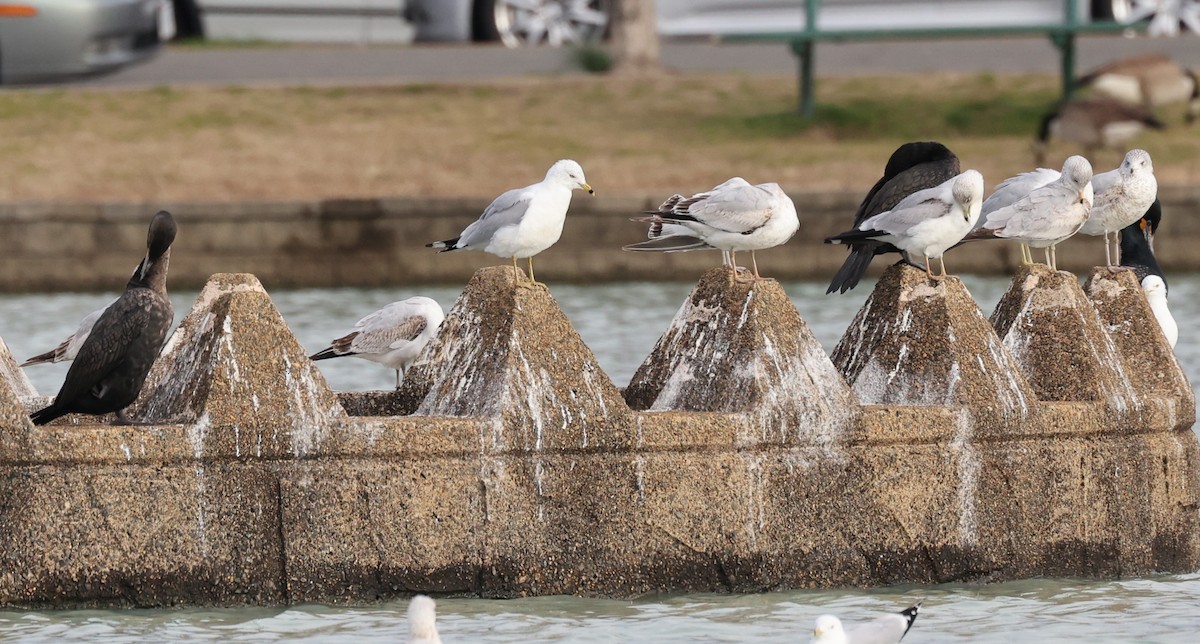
column 621, row 323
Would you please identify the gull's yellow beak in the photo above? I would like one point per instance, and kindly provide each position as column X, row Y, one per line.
column 588, row 188
column 817, row 632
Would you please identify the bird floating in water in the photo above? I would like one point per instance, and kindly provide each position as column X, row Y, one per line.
column 914, row 166
column 422, row 621
column 392, row 336
column 1122, row 197
column 888, row 629
column 112, row 364
column 1046, row 216
column 525, row 221
column 927, row 222
column 733, row 216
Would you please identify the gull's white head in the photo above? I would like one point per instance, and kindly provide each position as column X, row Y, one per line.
column 569, row 173
column 828, row 631
column 1136, row 162
column 1154, row 286
column 1077, row 175
column 422, row 620
column 968, row 194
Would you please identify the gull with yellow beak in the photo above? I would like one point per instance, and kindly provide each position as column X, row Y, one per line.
column 525, row 221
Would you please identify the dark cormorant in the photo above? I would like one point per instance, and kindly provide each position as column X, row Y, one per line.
column 912, row 167
column 112, row 364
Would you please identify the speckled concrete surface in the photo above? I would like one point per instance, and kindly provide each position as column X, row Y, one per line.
column 523, row 471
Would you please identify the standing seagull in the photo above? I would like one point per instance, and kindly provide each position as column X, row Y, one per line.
column 888, row 629
column 912, row 167
column 731, row 217
column 1122, row 198
column 928, row 222
column 392, row 336
column 525, row 221
column 113, row 362
column 1046, row 216
column 422, row 621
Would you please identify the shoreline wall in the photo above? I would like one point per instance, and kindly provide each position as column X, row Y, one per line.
column 744, row 460
column 380, row 242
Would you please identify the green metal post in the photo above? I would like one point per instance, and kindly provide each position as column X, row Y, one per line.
column 804, row 51
column 1066, row 46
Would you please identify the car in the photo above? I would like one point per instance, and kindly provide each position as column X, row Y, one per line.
column 567, row 22
column 44, row 40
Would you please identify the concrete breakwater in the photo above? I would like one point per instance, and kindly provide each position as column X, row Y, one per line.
column 380, row 242
column 935, row 445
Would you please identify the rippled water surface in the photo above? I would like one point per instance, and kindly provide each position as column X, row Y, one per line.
column 621, row 323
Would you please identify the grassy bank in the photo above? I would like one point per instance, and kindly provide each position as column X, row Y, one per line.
column 633, row 136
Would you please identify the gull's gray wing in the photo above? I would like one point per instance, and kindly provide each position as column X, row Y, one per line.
column 507, row 210
column 1040, row 215
column 736, row 208
column 904, row 217
column 1012, row 189
column 1106, row 180
column 888, row 629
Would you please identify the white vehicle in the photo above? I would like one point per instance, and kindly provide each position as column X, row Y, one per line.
column 567, row 22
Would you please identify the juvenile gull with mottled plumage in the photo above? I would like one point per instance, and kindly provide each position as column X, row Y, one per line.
column 733, row 216
column 392, row 336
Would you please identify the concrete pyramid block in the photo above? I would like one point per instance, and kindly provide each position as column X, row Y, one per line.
column 1150, row 362
column 742, row 347
column 235, row 372
column 507, row 352
column 922, row 342
column 1055, row 334
column 14, row 386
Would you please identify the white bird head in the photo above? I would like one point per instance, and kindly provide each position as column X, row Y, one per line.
column 1077, row 174
column 828, row 631
column 968, row 193
column 1154, row 287
column 422, row 620
column 570, row 174
column 1136, row 162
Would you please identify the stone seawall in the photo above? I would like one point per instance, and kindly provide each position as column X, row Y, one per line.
column 930, row 448
column 380, row 242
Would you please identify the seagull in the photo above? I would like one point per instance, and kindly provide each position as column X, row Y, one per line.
column 732, row 216
column 1045, row 216
column 392, row 336
column 674, row 238
column 912, row 167
column 1137, row 254
column 108, row 373
column 927, row 222
column 69, row 348
column 525, row 221
column 888, row 629
column 1122, row 197
column 422, row 621
column 1093, row 123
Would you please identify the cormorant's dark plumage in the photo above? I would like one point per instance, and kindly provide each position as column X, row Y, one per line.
column 1136, row 252
column 113, row 362
column 912, row 167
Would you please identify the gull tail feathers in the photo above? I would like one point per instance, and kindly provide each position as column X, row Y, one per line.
column 445, row 246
